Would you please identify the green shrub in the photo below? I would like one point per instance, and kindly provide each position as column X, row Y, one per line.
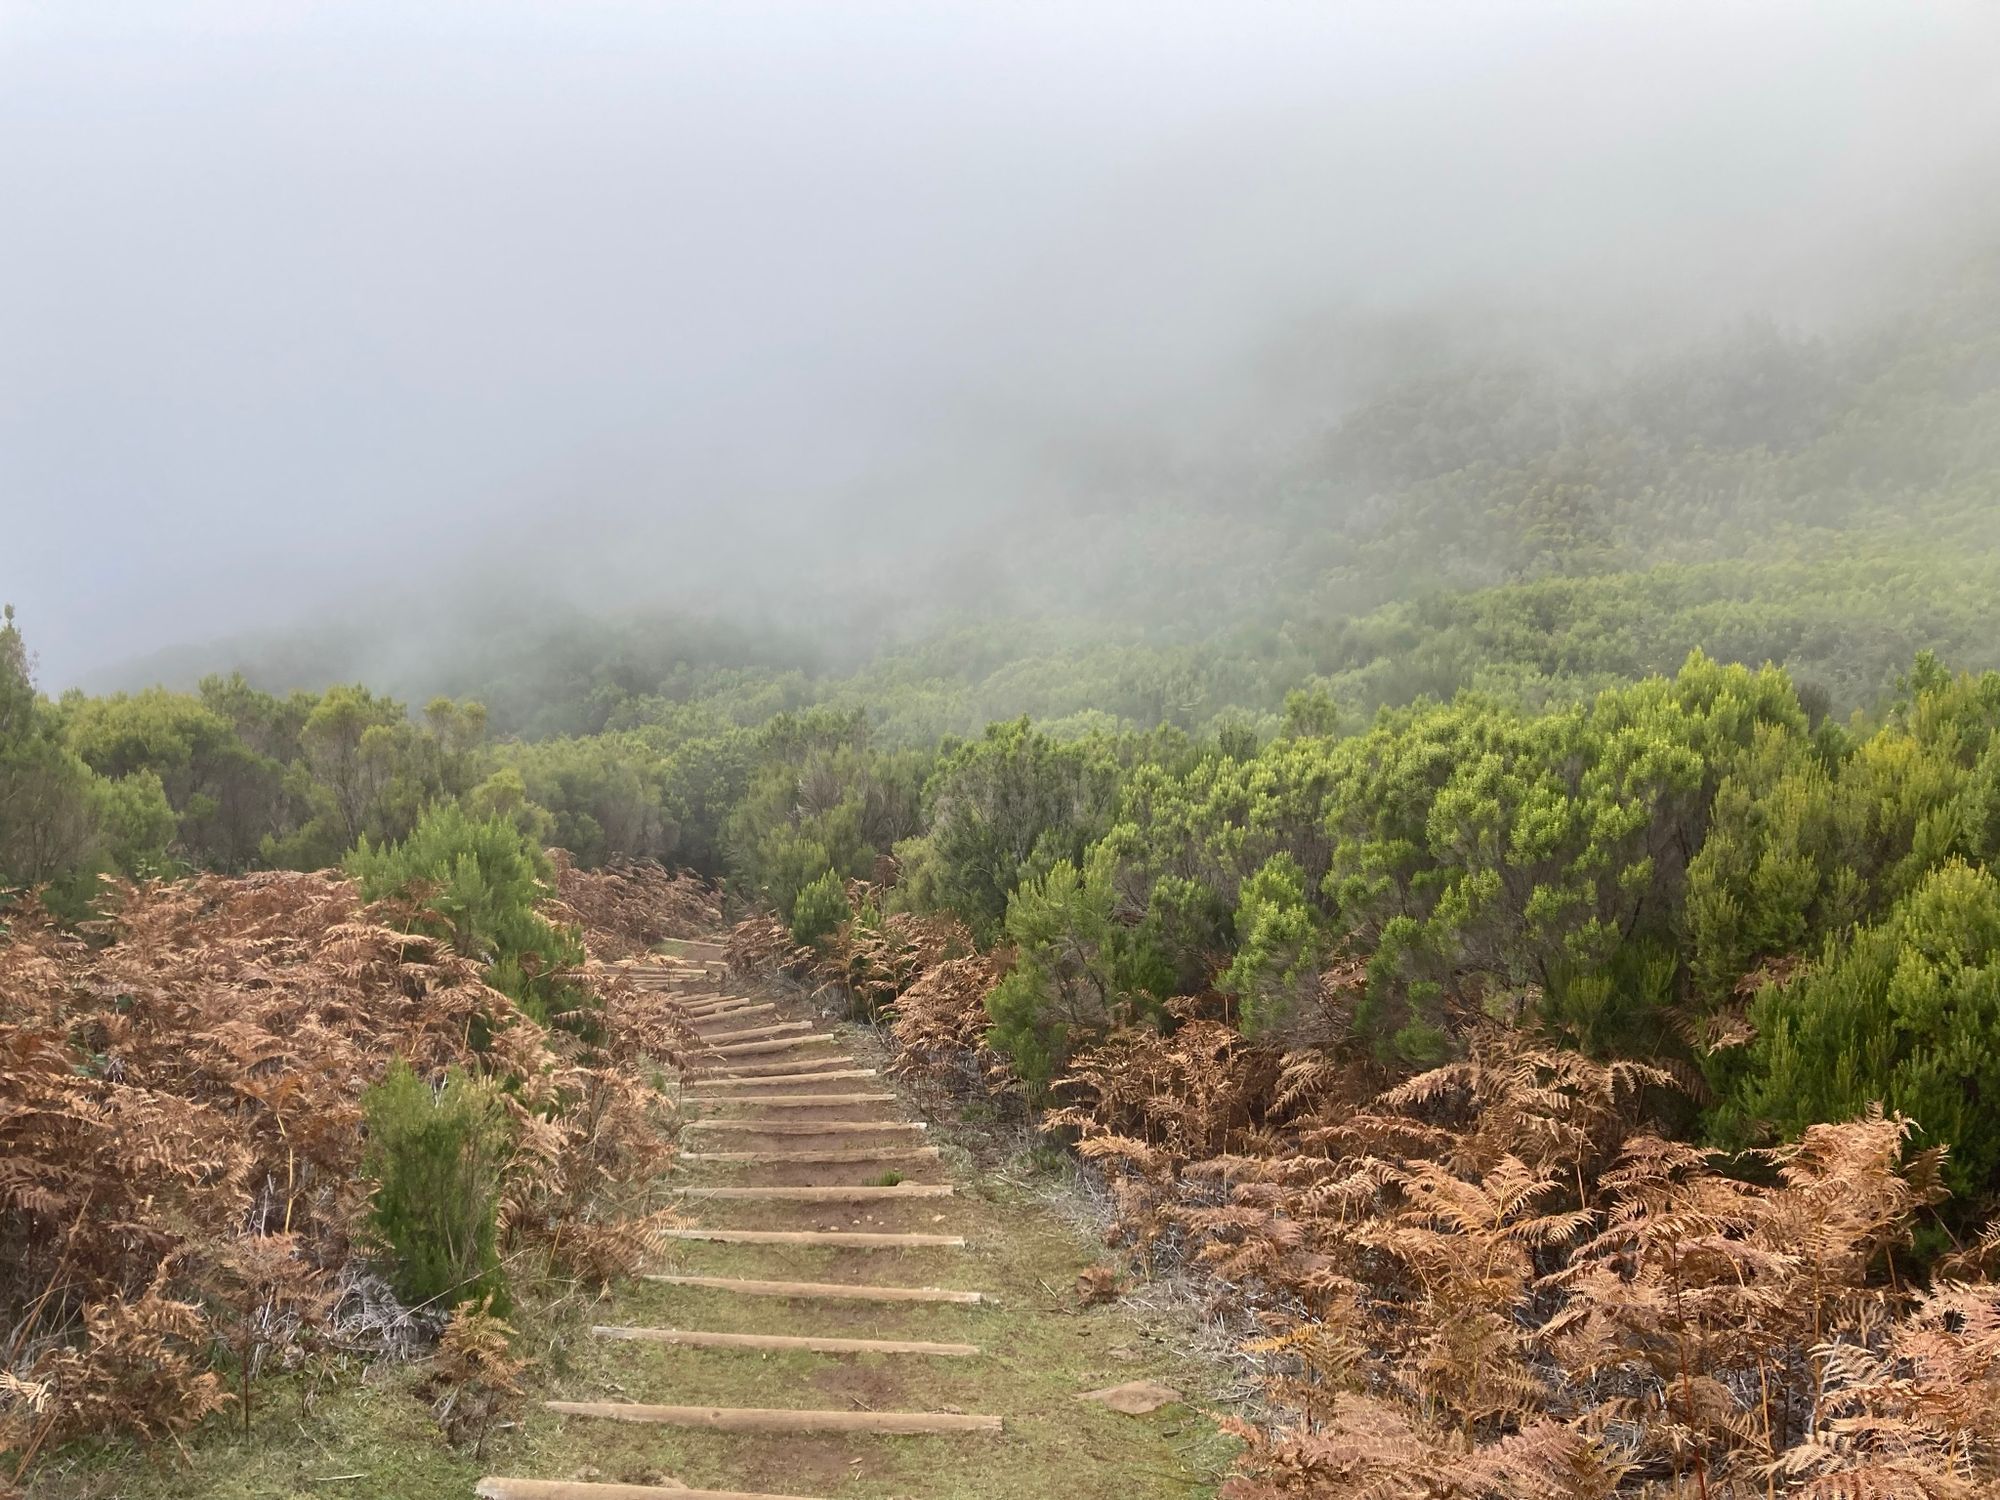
column 1078, row 971
column 1280, row 955
column 820, row 799
column 819, row 910
column 478, row 882
column 437, row 1158
column 1905, row 1013
column 135, row 821
column 1006, row 808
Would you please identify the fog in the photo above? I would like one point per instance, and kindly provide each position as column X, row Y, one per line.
column 308, row 311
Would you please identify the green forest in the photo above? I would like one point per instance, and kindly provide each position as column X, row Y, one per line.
column 1652, row 708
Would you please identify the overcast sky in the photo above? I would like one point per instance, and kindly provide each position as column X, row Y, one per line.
column 302, row 298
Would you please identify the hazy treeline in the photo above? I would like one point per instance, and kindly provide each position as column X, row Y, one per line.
column 1518, row 521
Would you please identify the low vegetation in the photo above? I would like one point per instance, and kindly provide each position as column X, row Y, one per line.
column 1505, row 1275
column 264, row 1123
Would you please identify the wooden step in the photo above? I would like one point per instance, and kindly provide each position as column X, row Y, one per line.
column 844, row 1239
column 860, row 1154
column 793, row 1101
column 781, row 1341
column 693, row 1013
column 861, row 1194
column 778, row 1419
column 811, row 1127
column 776, row 1078
column 822, row 1063
column 498, row 1487
column 809, row 1101
column 837, row 1291
column 782, row 1044
column 755, row 1033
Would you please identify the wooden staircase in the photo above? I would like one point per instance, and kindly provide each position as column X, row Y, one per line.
column 761, row 1080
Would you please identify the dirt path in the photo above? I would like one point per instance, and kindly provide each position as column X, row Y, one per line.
column 874, row 1318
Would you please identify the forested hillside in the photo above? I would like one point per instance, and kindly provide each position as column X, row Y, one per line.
column 1527, row 523
column 1643, row 716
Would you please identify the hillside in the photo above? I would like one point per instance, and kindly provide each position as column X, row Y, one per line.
column 1533, row 527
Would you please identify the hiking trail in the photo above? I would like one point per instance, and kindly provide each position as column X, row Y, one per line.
column 853, row 1309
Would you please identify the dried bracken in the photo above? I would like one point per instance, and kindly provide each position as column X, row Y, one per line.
column 762, row 944
column 1494, row 1281
column 939, row 1026
column 877, row 957
column 475, row 1374
column 1500, row 1279
column 181, row 1130
column 924, row 975
column 628, row 908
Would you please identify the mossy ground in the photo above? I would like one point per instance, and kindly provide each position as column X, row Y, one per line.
column 372, row 1438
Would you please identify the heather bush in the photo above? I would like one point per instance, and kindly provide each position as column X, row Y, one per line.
column 437, row 1158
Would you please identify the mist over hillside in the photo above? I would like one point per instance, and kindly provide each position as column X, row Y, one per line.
column 1482, row 514
column 853, row 323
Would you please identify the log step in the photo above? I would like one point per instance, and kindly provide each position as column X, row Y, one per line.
column 787, row 1067
column 812, row 1345
column 838, row 1291
column 809, row 1101
column 811, row 1127
column 779, row 1078
column 756, row 1033
column 498, row 1487
column 727, row 1008
column 778, row 1419
column 864, row 1194
column 793, row 1101
column 861, row 1154
column 702, row 1015
column 782, row 1044
column 845, row 1239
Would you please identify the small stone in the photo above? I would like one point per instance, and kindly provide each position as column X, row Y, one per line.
column 1096, row 1284
column 1134, row 1398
